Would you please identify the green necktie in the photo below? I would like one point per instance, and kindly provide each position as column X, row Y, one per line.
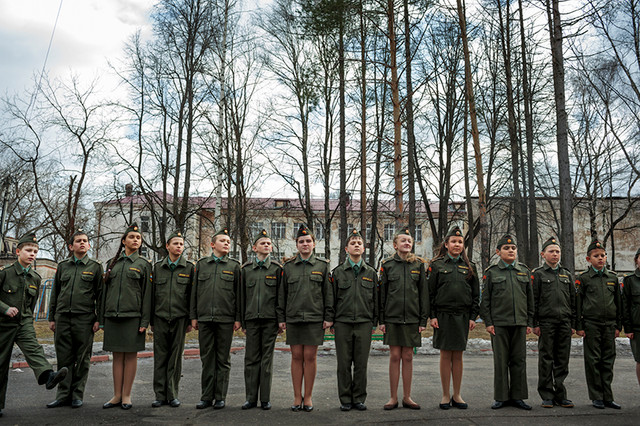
column 172, row 266
column 356, row 269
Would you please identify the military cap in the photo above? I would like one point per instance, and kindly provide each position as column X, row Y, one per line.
column 261, row 234
column 454, row 232
column 404, row 231
column 132, row 228
column 549, row 242
column 175, row 234
column 637, row 254
column 354, row 234
column 223, row 231
column 303, row 231
column 595, row 244
column 28, row 239
column 507, row 239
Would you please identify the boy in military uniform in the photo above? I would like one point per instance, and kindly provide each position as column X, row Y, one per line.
column 507, row 310
column 170, row 297
column 215, row 313
column 258, row 302
column 554, row 322
column 75, row 297
column 631, row 311
column 599, row 320
column 19, row 285
column 356, row 315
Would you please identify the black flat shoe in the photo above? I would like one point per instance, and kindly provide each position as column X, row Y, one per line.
column 219, row 404
column 345, row 407
column 58, row 403
column 598, row 403
column 203, row 404
column 111, row 404
column 126, row 406
column 612, row 404
column 360, row 406
column 296, row 407
column 248, row 405
column 307, row 408
column 388, row 407
column 76, row 403
column 158, row 403
column 566, row 403
column 265, row 405
column 518, row 403
column 174, row 403
column 411, row 405
column 445, row 406
column 460, row 405
column 547, row 403
column 57, row 377
column 497, row 405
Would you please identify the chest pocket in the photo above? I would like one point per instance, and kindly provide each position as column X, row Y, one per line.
column 367, row 282
column 32, row 290
column 611, row 286
column 344, row 284
column 226, row 281
column 499, row 284
column 65, row 278
column 183, row 280
column 87, row 277
column 271, row 282
column 160, row 281
column 10, row 288
column 316, row 278
column 133, row 274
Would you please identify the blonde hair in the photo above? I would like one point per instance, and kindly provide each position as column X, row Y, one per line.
column 411, row 257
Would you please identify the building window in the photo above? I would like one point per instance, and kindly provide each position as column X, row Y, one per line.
column 144, row 223
column 278, row 230
column 144, row 251
column 349, row 229
column 389, row 231
column 367, row 232
column 418, row 234
column 255, row 228
column 296, row 226
column 319, row 231
column 280, row 204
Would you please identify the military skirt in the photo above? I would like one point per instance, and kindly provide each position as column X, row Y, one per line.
column 635, row 347
column 121, row 335
column 305, row 333
column 402, row 335
column 452, row 332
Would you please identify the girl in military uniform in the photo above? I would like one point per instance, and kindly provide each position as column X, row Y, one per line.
column 454, row 291
column 305, row 310
column 404, row 309
column 631, row 310
column 126, row 307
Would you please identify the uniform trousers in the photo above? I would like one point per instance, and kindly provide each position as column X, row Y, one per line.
column 74, row 345
column 353, row 344
column 258, row 358
column 509, row 363
column 168, row 346
column 215, row 345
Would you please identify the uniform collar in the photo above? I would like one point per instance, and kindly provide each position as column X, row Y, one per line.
column 449, row 258
column 637, row 272
column 179, row 262
column 593, row 271
column 349, row 264
column 222, row 259
column 132, row 257
column 84, row 259
column 266, row 264
column 504, row 265
column 546, row 267
column 22, row 270
column 311, row 260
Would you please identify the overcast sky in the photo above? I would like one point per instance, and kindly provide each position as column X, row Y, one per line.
column 89, row 32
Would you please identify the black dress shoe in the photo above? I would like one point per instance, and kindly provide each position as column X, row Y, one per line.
column 307, row 408
column 445, row 406
column 498, row 404
column 158, row 403
column 345, row 407
column 518, row 403
column 219, row 404
column 360, row 406
column 612, row 404
column 265, row 405
column 174, row 403
column 57, row 377
column 598, row 403
column 247, row 405
column 547, row 403
column 126, row 406
column 411, row 405
column 0, row 413
column 203, row 404
column 76, row 403
column 58, row 403
column 460, row 405
column 296, row 407
column 566, row 403
column 111, row 404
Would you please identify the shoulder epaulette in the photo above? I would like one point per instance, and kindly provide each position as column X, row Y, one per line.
column 386, row 260
column 536, row 269
column 2, row 267
column 490, row 266
column 36, row 272
column 613, row 272
column 234, row 260
column 322, row 259
column 275, row 262
column 247, row 263
column 289, row 260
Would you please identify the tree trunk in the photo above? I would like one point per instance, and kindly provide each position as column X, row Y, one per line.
column 363, row 124
column 411, row 139
column 343, row 150
column 397, row 124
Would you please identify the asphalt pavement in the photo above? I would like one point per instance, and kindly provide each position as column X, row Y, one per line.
column 26, row 401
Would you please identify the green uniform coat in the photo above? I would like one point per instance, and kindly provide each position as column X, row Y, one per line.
column 75, row 298
column 356, row 313
column 507, row 303
column 599, row 314
column 20, row 291
column 171, row 295
column 554, row 296
column 631, row 310
column 404, row 295
column 215, row 304
column 259, row 300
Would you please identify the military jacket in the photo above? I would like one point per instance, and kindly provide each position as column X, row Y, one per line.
column 305, row 291
column 404, row 295
column 76, row 287
column 259, row 289
column 631, row 302
column 554, row 295
column 507, row 296
column 355, row 296
column 18, row 290
column 216, row 292
column 171, row 290
column 451, row 289
column 598, row 298
column 127, row 292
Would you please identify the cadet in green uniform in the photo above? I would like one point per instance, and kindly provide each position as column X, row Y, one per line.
column 170, row 297
column 19, row 285
column 356, row 315
column 259, row 299
column 631, row 311
column 599, row 321
column 403, row 313
column 75, row 298
column 507, row 310
column 305, row 310
column 454, row 291
column 215, row 312
column 125, row 313
column 554, row 321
